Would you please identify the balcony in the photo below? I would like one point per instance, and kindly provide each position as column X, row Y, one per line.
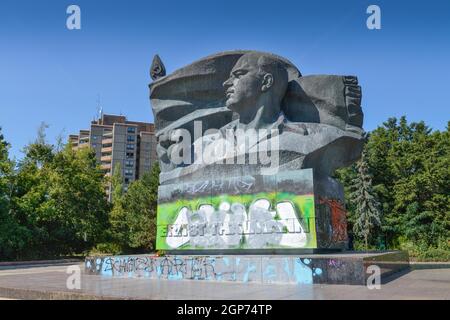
column 107, row 141
column 106, row 158
column 107, row 149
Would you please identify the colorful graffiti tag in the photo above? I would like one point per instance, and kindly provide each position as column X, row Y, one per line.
column 264, row 220
column 338, row 219
column 293, row 270
column 247, row 212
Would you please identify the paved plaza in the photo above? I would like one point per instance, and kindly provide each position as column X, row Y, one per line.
column 49, row 282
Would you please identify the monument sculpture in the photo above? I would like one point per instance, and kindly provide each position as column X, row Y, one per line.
column 247, row 148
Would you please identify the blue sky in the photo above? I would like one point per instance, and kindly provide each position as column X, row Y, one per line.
column 52, row 74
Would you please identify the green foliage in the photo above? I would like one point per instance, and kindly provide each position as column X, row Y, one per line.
column 422, row 252
column 53, row 202
column 118, row 231
column 366, row 205
column 57, row 200
column 106, row 248
column 140, row 205
column 133, row 217
column 410, row 169
column 13, row 237
column 434, row 254
column 117, row 189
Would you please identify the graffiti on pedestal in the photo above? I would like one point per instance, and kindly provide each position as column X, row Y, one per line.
column 245, row 212
column 338, row 219
column 230, row 222
column 216, row 268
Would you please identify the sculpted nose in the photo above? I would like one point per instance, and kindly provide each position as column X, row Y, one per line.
column 228, row 83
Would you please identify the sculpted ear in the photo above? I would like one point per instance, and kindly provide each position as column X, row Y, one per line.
column 267, row 82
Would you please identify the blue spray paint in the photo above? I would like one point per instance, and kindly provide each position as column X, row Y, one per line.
column 219, row 275
column 270, row 272
column 175, row 276
column 107, row 267
column 302, row 273
column 210, row 275
column 158, row 271
column 318, row 271
column 250, row 268
column 287, row 269
column 98, row 264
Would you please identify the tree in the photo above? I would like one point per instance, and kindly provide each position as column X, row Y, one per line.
column 30, row 190
column 140, row 205
column 118, row 232
column 133, row 217
column 59, row 198
column 117, row 189
column 410, row 168
column 77, row 200
column 366, row 205
column 421, row 193
column 5, row 171
column 12, row 235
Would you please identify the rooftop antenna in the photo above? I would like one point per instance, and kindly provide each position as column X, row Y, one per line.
column 99, row 108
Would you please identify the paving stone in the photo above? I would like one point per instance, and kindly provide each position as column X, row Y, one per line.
column 50, row 283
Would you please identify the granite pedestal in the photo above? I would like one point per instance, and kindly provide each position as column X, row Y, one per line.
column 334, row 268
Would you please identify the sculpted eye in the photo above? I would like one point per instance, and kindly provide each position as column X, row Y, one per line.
column 239, row 73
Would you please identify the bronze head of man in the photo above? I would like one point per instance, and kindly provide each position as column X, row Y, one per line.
column 256, row 87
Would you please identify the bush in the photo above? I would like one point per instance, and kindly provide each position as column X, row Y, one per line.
column 435, row 254
column 105, row 249
column 422, row 252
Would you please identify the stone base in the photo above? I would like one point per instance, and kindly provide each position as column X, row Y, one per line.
column 341, row 268
column 290, row 210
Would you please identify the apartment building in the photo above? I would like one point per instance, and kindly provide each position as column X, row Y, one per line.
column 116, row 140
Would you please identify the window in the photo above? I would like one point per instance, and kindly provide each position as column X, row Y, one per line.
column 130, row 155
column 131, row 138
column 128, row 172
column 131, row 129
column 129, row 163
column 130, row 146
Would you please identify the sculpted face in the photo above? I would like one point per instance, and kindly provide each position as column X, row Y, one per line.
column 244, row 86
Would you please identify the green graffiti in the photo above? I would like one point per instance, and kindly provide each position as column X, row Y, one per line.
column 275, row 232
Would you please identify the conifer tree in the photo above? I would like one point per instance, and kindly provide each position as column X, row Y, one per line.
column 366, row 205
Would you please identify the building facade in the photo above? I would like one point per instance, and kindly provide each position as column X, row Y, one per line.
column 116, row 140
